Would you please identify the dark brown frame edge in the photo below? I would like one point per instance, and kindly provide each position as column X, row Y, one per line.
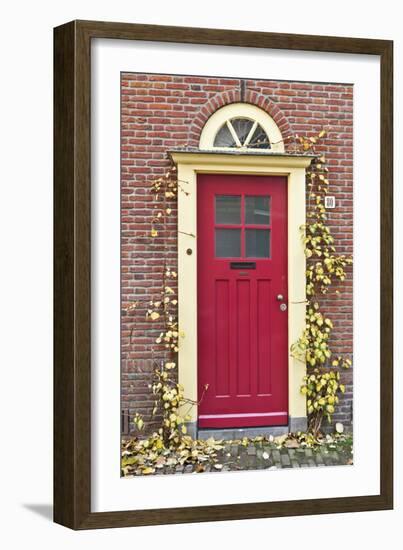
column 72, row 320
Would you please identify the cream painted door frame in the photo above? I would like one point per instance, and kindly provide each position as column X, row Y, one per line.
column 189, row 164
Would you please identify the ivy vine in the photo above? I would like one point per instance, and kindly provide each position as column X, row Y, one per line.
column 325, row 268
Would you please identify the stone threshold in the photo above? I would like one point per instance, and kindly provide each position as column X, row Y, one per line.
column 239, row 433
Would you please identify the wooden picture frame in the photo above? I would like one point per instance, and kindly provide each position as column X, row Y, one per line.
column 72, row 270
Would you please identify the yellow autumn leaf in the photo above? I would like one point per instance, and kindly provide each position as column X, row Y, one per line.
column 139, row 422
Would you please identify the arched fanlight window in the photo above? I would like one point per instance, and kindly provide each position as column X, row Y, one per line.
column 242, row 132
column 241, row 126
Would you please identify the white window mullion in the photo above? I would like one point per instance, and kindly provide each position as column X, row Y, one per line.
column 247, row 140
column 233, row 133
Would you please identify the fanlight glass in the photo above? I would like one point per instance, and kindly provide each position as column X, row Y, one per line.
column 242, row 132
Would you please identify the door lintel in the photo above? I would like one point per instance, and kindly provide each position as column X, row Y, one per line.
column 240, row 158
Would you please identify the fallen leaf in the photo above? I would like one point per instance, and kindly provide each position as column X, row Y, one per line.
column 291, row 444
column 280, row 439
column 148, row 470
column 339, row 427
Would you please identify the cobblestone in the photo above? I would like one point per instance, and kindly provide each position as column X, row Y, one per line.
column 258, row 456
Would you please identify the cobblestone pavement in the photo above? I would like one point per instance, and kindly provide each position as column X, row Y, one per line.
column 259, row 456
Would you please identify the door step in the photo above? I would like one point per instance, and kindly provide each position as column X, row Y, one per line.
column 239, row 433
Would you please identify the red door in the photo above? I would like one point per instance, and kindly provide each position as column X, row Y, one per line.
column 242, row 300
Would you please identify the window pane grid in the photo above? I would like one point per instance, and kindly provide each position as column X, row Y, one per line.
column 249, row 236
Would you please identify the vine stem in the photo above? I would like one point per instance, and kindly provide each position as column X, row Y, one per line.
column 189, row 234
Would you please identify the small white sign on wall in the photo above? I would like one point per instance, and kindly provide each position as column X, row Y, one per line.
column 330, row 202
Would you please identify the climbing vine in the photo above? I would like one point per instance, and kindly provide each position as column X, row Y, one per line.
column 325, row 268
column 170, row 445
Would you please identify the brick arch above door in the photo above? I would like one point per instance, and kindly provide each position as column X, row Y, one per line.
column 249, row 121
column 234, row 96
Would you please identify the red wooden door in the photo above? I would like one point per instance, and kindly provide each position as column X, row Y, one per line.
column 242, row 300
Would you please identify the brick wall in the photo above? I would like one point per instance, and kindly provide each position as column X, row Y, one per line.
column 160, row 112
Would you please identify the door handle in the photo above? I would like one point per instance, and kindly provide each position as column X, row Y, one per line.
column 280, row 297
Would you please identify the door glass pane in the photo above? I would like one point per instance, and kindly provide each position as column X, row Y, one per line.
column 228, row 209
column 257, row 209
column 227, row 243
column 257, row 243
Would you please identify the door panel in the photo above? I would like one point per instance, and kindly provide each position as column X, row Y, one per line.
column 222, row 358
column 242, row 332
